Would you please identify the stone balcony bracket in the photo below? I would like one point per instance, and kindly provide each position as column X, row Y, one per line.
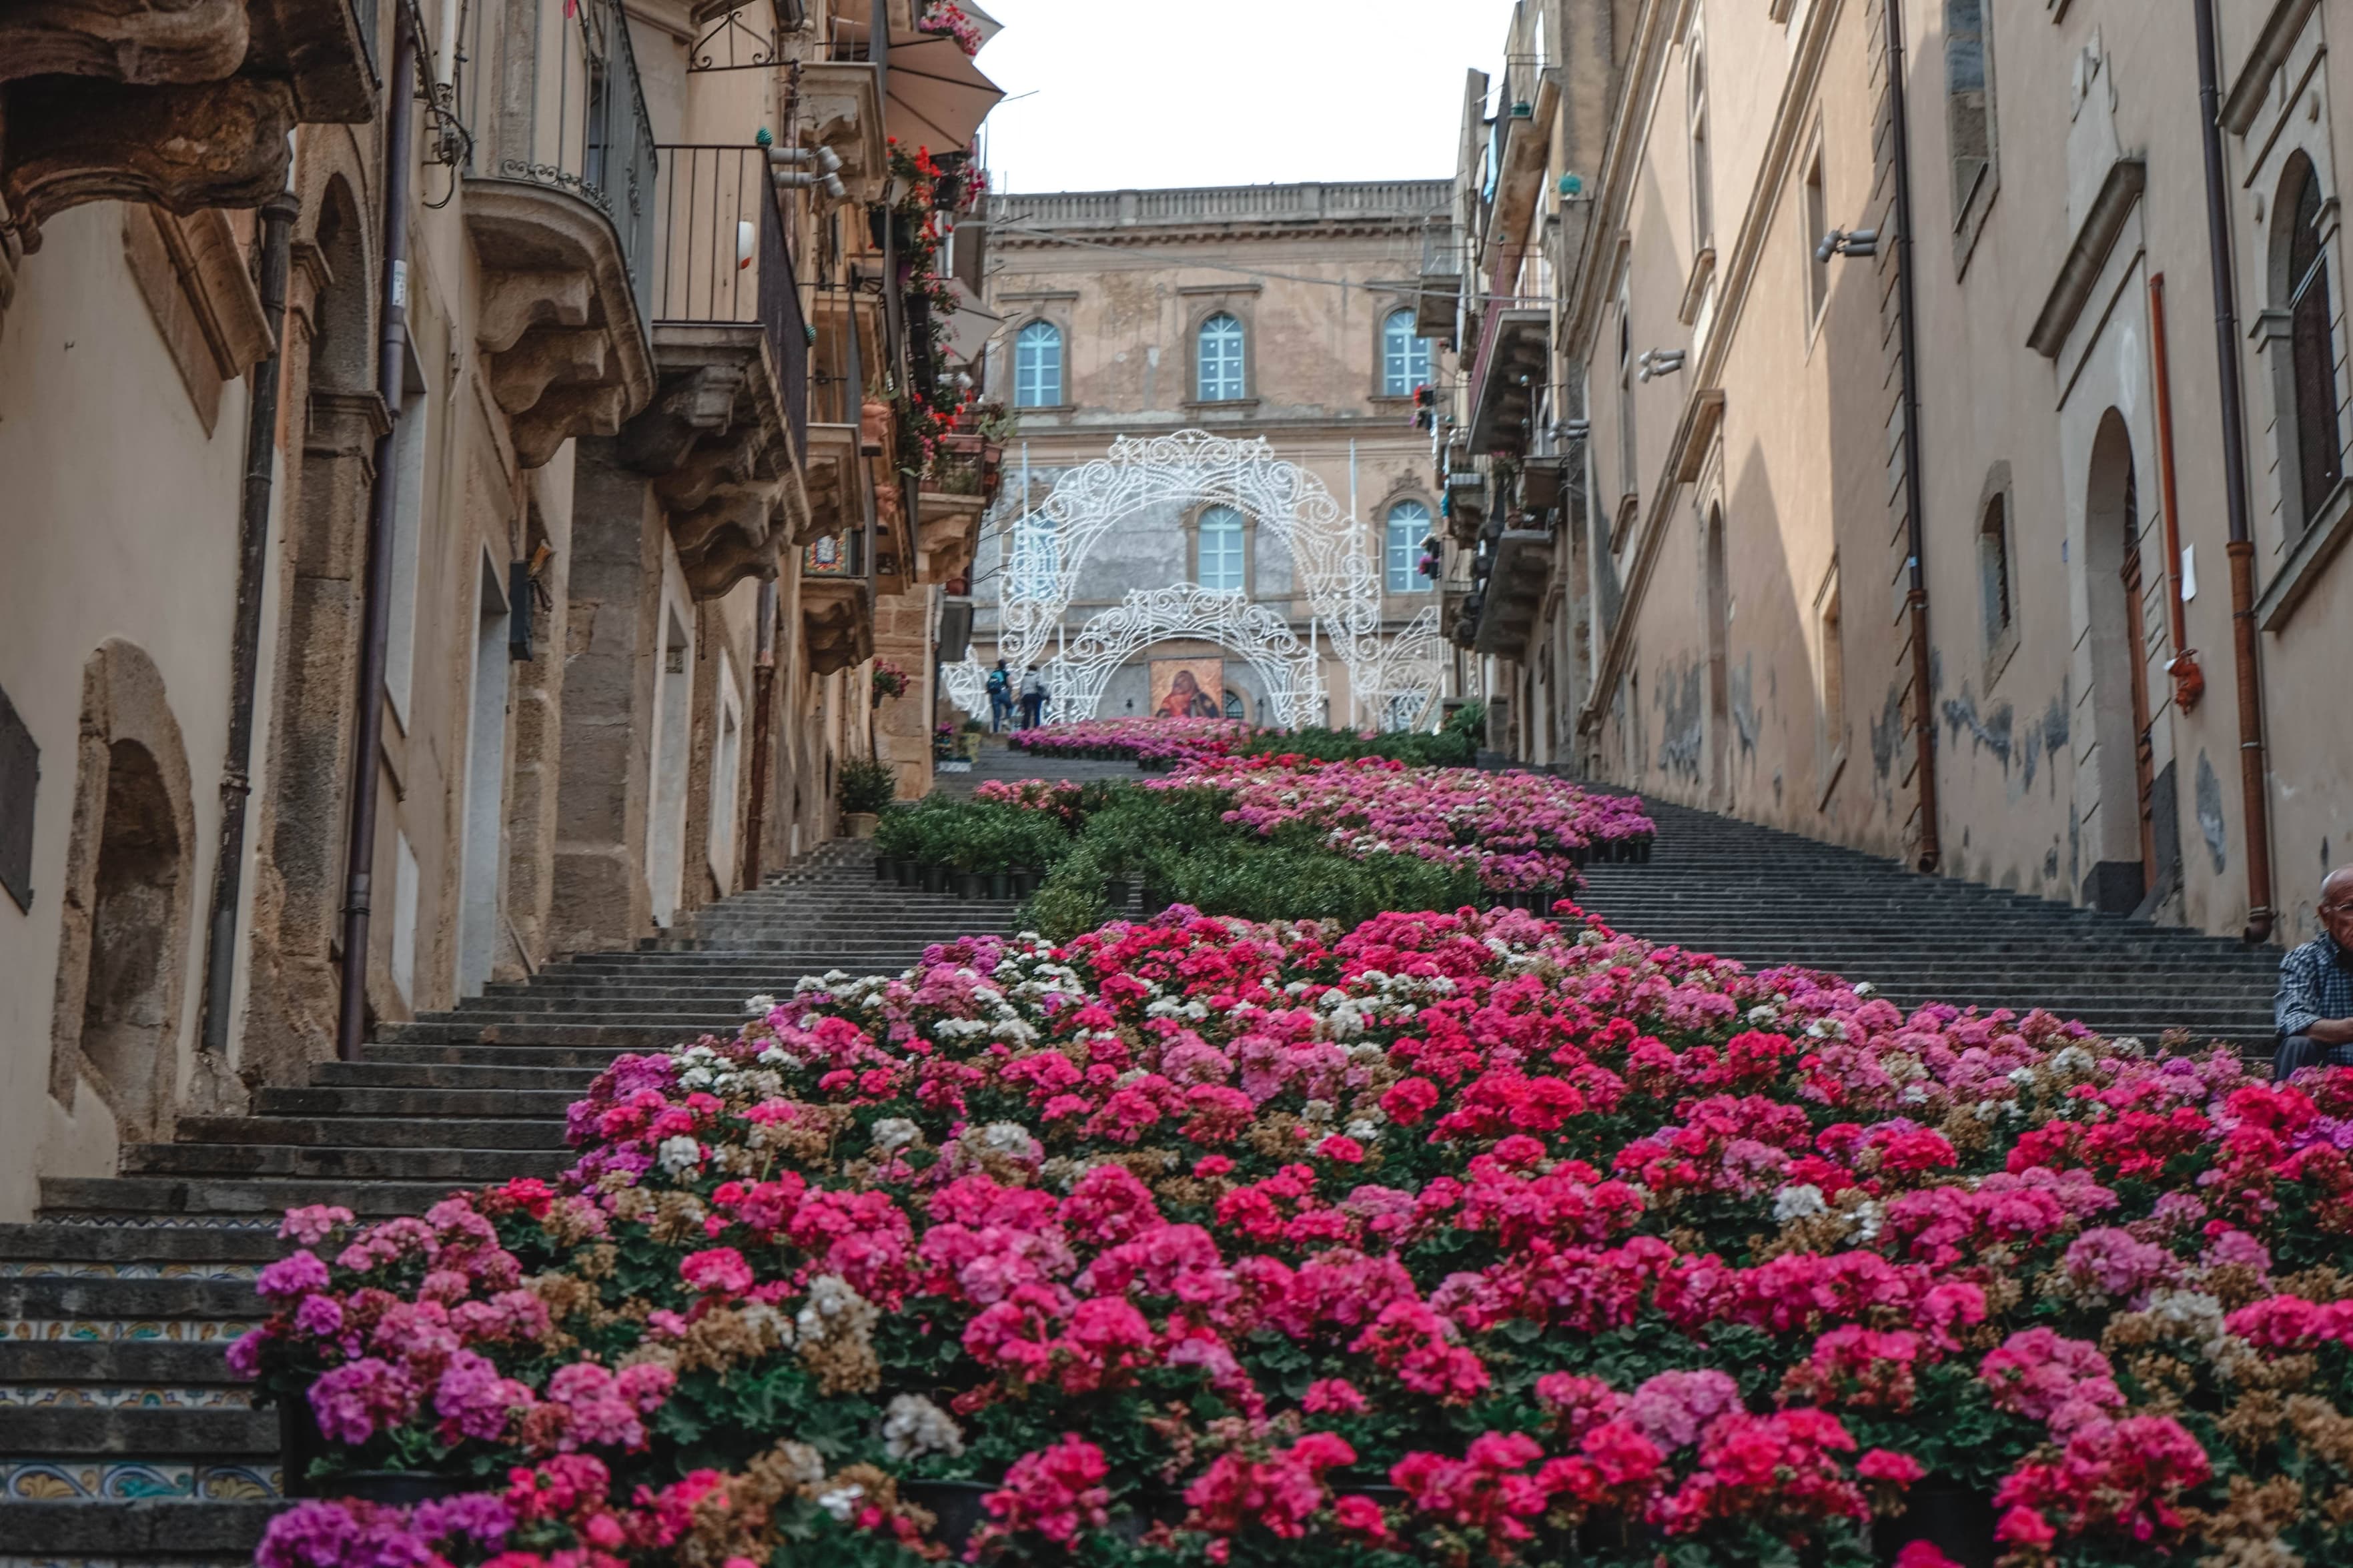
column 181, row 106
column 559, row 324
column 836, row 623
column 715, row 444
column 842, row 103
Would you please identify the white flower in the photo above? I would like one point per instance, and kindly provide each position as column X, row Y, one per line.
column 759, row 1006
column 678, row 1156
column 1865, row 988
column 2071, row 1059
column 914, row 1426
column 1009, row 1137
column 1866, row 1218
column 2022, row 1077
column 1363, row 1130
column 1800, row 1200
column 894, row 1133
column 841, row 1501
column 1762, row 1014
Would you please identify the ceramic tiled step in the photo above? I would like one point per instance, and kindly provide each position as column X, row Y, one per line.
column 239, row 1436
column 68, row 1298
column 122, row 1362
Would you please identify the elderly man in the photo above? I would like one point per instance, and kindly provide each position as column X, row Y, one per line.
column 2315, row 1008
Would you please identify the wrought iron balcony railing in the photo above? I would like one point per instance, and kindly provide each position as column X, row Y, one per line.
column 722, row 259
column 552, row 98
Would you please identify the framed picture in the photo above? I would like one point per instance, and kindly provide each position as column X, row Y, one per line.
column 1188, row 688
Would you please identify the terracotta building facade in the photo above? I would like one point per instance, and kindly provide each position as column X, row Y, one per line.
column 456, row 487
column 1848, row 448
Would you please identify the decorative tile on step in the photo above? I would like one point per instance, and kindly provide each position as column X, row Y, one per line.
column 186, row 1331
column 61, row 1269
column 32, row 1397
column 51, row 1480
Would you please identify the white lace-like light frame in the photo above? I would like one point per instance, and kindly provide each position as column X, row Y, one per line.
column 1396, row 683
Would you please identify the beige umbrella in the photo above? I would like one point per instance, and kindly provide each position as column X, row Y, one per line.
column 938, row 97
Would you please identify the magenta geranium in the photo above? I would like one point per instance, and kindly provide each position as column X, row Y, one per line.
column 1452, row 1239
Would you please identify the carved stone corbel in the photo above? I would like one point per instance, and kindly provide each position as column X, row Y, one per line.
column 123, row 40
column 183, row 149
column 567, row 350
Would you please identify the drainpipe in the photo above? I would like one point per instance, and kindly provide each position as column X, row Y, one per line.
column 764, row 682
column 2189, row 681
column 375, row 612
column 2254, row 796
column 277, row 215
column 1915, row 596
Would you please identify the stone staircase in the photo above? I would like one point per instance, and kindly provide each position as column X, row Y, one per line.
column 124, row 1439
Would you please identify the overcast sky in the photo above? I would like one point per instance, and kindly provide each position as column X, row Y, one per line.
column 1218, row 93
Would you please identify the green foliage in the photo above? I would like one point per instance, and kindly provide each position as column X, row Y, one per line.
column 867, row 784
column 1453, row 746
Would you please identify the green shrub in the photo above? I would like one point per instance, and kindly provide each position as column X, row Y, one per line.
column 867, row 784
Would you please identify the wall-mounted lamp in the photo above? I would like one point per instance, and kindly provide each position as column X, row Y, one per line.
column 1660, row 362
column 1848, row 242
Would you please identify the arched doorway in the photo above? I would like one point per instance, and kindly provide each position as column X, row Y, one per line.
column 2122, row 828
column 125, row 933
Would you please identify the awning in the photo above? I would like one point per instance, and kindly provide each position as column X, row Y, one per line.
column 937, row 96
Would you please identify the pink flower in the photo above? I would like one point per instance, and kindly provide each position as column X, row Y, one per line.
column 296, row 1274
column 313, row 1223
column 720, row 1270
column 1333, row 1396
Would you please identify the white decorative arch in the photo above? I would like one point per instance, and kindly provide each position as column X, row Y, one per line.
column 1294, row 685
column 1335, row 562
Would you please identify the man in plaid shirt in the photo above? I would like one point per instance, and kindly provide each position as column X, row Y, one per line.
column 2314, row 1006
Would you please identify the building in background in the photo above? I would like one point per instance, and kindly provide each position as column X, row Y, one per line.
column 461, row 466
column 1942, row 550
column 1286, row 313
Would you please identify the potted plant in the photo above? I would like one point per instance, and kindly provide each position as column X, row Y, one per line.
column 890, row 681
column 865, row 787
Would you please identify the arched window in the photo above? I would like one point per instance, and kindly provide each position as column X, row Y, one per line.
column 1408, row 525
column 1037, row 366
column 2312, row 352
column 1220, row 364
column 1404, row 357
column 1233, row 703
column 1993, row 567
column 1220, row 562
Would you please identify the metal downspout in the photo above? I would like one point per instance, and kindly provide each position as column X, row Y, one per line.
column 2254, row 786
column 375, row 612
column 1915, row 596
column 277, row 215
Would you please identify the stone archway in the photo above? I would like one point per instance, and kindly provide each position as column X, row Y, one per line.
column 121, row 992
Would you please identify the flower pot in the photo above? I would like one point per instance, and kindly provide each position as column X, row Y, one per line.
column 883, row 871
column 860, row 824
column 957, row 1507
column 971, row 886
column 1956, row 1520
column 1025, row 881
column 1642, row 849
column 1000, row 885
column 935, row 879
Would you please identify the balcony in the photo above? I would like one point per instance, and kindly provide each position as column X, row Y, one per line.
column 1518, row 572
column 963, row 480
column 724, row 436
column 560, row 202
column 1515, row 344
column 1466, row 503
column 1437, row 306
column 836, row 603
column 184, row 107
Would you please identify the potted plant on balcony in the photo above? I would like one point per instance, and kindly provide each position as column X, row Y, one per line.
column 890, row 681
column 866, row 786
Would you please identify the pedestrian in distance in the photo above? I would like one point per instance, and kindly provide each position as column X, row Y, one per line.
column 1033, row 700
column 1000, row 698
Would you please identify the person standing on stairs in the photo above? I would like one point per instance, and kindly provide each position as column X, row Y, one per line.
column 1000, row 698
column 1033, row 700
column 2315, row 1007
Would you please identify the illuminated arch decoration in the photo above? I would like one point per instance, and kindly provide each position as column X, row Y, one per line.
column 1294, row 685
column 1335, row 562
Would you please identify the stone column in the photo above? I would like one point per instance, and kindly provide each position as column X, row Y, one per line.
column 600, row 899
column 902, row 731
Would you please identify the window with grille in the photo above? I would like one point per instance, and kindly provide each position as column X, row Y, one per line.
column 1037, row 366
column 1219, row 565
column 1404, row 357
column 1408, row 525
